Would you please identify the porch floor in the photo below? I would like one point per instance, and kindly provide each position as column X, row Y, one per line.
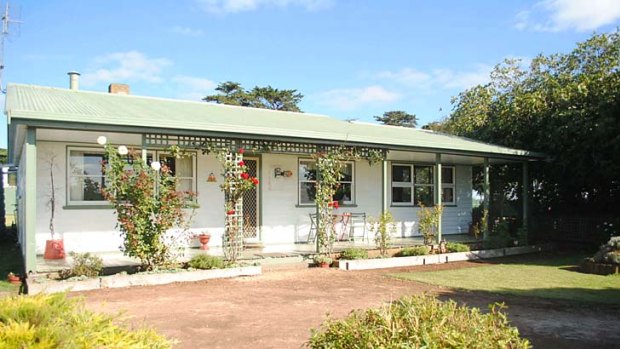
column 270, row 254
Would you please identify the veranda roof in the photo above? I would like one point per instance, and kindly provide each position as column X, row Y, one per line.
column 63, row 108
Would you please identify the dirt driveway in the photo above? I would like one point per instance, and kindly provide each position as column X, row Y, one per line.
column 277, row 309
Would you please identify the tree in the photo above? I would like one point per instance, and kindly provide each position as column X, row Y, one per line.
column 232, row 93
column 565, row 105
column 398, row 118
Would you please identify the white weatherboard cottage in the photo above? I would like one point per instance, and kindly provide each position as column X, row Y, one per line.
column 63, row 124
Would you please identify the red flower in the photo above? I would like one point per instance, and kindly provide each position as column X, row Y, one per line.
column 336, row 204
column 255, row 180
column 241, row 163
column 244, row 175
column 241, row 151
column 230, row 212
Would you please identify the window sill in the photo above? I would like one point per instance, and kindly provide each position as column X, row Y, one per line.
column 314, row 206
column 88, row 207
column 445, row 205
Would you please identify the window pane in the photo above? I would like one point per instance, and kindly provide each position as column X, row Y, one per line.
column 424, row 195
column 401, row 195
column 423, row 174
column 446, row 175
column 307, row 171
column 347, row 173
column 86, row 188
column 169, row 161
column 401, row 173
column 183, row 167
column 343, row 193
column 85, row 163
column 447, row 195
column 307, row 192
column 186, row 185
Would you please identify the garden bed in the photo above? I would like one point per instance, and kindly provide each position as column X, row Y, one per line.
column 591, row 267
column 141, row 279
column 394, row 262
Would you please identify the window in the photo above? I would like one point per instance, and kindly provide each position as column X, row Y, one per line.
column 85, row 176
column 183, row 169
column 413, row 184
column 307, row 183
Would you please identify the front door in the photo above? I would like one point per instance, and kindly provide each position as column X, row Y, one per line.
column 251, row 207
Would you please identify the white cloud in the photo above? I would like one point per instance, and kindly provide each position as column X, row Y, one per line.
column 578, row 15
column 438, row 78
column 187, row 31
column 354, row 98
column 235, row 6
column 193, row 88
column 128, row 66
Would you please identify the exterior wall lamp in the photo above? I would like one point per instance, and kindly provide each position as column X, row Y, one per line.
column 277, row 172
column 211, row 178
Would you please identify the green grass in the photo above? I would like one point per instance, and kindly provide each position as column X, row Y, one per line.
column 10, row 261
column 550, row 276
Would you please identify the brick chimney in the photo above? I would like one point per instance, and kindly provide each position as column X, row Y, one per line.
column 121, row 89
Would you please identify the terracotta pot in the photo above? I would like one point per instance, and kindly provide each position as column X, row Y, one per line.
column 54, row 249
column 14, row 279
column 204, row 241
column 324, row 265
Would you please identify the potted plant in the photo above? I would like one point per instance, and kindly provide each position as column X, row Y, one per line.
column 322, row 261
column 54, row 248
column 14, row 279
column 204, row 240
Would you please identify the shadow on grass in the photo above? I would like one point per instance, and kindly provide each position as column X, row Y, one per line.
column 568, row 259
column 10, row 262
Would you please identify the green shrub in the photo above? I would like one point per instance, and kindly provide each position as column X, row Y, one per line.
column 383, row 227
column 419, row 322
column 354, row 253
column 53, row 321
column 203, row 261
column 84, row 264
column 499, row 236
column 321, row 258
column 608, row 253
column 457, row 247
column 413, row 251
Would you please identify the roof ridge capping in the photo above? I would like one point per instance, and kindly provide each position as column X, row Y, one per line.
column 165, row 99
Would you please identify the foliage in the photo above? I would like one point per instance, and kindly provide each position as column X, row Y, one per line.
column 321, row 258
column 51, row 201
column 10, row 261
column 552, row 276
column 232, row 93
column 420, row 322
column 499, row 236
column 3, row 156
column 353, row 253
column 147, row 204
column 84, row 264
column 55, row 321
column 203, row 261
column 383, row 227
column 398, row 118
column 457, row 247
column 608, row 253
column 413, row 251
column 565, row 105
column 428, row 221
column 329, row 167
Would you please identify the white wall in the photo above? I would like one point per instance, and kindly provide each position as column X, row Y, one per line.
column 283, row 221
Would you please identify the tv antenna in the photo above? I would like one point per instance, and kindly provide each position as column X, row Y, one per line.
column 6, row 23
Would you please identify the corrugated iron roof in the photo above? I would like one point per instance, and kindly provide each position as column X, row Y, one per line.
column 37, row 103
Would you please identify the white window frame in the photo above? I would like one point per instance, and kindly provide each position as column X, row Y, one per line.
column 301, row 180
column 69, row 176
column 411, row 184
column 452, row 186
column 161, row 154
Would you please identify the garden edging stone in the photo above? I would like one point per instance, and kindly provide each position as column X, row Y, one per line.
column 124, row 280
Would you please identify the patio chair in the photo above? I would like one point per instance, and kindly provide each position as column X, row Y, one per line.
column 313, row 227
column 356, row 218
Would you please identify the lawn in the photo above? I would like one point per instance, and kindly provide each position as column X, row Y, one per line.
column 10, row 261
column 547, row 276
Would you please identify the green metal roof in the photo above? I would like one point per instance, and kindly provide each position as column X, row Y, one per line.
column 36, row 104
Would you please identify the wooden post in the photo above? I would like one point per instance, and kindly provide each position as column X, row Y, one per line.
column 318, row 213
column 526, row 187
column 487, row 198
column 29, row 197
column 437, row 191
column 384, row 187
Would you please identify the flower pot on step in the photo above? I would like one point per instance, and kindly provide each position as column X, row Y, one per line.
column 54, row 249
column 14, row 279
column 204, row 241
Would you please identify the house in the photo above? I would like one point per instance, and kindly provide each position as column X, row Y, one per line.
column 63, row 124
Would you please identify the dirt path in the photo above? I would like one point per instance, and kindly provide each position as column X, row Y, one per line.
column 277, row 309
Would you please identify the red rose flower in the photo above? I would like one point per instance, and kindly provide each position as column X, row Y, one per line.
column 241, row 163
column 244, row 175
column 241, row 151
column 230, row 212
column 336, row 204
column 255, row 180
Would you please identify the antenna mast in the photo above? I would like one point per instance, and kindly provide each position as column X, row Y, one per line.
column 6, row 21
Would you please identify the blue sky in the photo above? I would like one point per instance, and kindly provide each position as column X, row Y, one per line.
column 350, row 58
